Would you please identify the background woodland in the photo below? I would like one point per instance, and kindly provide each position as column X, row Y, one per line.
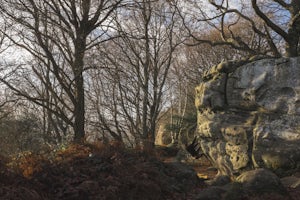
column 117, row 69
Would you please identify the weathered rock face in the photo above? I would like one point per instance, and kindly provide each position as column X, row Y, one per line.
column 249, row 115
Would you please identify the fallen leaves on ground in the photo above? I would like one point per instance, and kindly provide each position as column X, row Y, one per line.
column 81, row 172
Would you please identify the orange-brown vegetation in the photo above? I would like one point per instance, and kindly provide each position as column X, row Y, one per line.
column 102, row 172
column 92, row 172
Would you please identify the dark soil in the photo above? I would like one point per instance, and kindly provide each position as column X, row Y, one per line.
column 92, row 173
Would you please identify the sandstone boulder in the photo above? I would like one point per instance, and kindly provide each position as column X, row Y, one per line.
column 254, row 184
column 261, row 181
column 249, row 115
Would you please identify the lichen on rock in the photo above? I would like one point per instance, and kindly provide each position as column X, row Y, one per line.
column 249, row 115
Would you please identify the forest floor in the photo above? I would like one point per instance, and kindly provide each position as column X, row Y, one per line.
column 80, row 172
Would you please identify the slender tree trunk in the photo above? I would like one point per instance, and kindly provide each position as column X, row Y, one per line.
column 145, row 114
column 145, row 135
column 79, row 107
column 79, row 111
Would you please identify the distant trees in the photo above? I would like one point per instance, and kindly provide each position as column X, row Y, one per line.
column 269, row 27
column 22, row 132
column 138, row 64
column 21, row 125
column 57, row 34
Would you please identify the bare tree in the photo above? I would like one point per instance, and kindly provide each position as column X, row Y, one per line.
column 138, row 64
column 268, row 24
column 105, row 120
column 57, row 34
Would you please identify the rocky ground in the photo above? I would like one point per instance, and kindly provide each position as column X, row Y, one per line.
column 84, row 172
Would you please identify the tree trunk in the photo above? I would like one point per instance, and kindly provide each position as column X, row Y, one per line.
column 292, row 48
column 79, row 107
column 293, row 34
column 79, row 111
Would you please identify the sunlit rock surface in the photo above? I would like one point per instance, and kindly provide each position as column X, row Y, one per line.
column 249, row 115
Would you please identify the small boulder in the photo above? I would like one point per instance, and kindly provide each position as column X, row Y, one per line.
column 183, row 174
column 261, row 181
column 218, row 181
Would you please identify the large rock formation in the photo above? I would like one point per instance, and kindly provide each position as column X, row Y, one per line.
column 249, row 115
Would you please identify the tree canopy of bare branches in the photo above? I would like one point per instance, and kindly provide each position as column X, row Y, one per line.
column 115, row 65
column 138, row 64
column 57, row 34
column 269, row 27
